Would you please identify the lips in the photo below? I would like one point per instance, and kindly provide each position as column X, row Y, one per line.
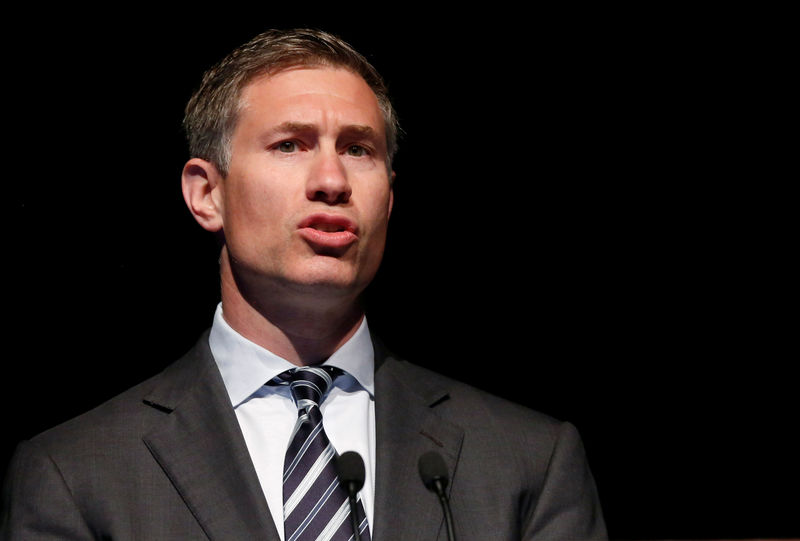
column 330, row 231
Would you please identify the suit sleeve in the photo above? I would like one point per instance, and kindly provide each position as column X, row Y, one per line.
column 37, row 504
column 568, row 506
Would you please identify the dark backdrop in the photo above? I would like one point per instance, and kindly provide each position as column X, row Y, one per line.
column 585, row 198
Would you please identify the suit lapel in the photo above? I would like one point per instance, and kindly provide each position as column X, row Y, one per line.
column 200, row 447
column 406, row 427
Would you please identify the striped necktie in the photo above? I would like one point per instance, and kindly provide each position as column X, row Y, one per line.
column 315, row 505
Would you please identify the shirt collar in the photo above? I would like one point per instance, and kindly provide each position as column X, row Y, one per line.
column 246, row 366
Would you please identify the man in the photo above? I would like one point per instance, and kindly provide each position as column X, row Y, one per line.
column 292, row 138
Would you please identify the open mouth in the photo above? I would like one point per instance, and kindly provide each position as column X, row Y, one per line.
column 328, row 227
column 328, row 223
column 328, row 231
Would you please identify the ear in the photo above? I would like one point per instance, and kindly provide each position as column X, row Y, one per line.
column 202, row 192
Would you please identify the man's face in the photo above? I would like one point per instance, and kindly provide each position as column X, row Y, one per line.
column 307, row 198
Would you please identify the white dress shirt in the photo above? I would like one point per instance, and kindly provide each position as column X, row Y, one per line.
column 267, row 414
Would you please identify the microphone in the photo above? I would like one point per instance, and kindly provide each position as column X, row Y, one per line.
column 433, row 471
column 350, row 469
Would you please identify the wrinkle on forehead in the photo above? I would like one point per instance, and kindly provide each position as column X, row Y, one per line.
column 354, row 91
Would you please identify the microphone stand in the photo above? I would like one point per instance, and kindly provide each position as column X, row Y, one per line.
column 448, row 516
column 351, row 491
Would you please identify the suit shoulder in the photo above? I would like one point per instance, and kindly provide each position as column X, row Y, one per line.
column 115, row 418
column 469, row 405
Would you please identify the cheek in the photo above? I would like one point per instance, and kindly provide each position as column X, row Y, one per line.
column 253, row 212
column 384, row 210
column 379, row 220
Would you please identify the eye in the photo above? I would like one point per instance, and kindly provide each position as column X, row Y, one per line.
column 356, row 150
column 287, row 146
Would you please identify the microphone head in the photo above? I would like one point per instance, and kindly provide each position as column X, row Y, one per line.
column 350, row 468
column 433, row 471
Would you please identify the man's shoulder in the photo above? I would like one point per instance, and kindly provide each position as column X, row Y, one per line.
column 468, row 404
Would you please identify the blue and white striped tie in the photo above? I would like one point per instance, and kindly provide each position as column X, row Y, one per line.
column 315, row 505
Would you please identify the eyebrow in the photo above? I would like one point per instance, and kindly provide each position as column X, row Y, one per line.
column 291, row 127
column 358, row 130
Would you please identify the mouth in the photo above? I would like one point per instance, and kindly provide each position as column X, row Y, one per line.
column 328, row 231
column 328, row 227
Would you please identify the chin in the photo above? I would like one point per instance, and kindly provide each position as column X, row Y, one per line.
column 344, row 284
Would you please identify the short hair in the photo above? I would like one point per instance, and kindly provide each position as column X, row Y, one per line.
column 213, row 110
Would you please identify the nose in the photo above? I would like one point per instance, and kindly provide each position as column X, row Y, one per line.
column 328, row 180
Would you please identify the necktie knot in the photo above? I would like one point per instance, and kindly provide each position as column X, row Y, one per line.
column 309, row 384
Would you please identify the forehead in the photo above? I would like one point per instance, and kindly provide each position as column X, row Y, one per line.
column 310, row 95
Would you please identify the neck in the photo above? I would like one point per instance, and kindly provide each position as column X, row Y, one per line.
column 302, row 327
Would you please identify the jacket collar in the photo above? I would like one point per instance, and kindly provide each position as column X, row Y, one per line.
column 200, row 447
column 408, row 424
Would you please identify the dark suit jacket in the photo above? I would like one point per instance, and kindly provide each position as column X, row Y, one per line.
column 166, row 460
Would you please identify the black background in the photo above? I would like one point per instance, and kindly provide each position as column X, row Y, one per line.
column 589, row 200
